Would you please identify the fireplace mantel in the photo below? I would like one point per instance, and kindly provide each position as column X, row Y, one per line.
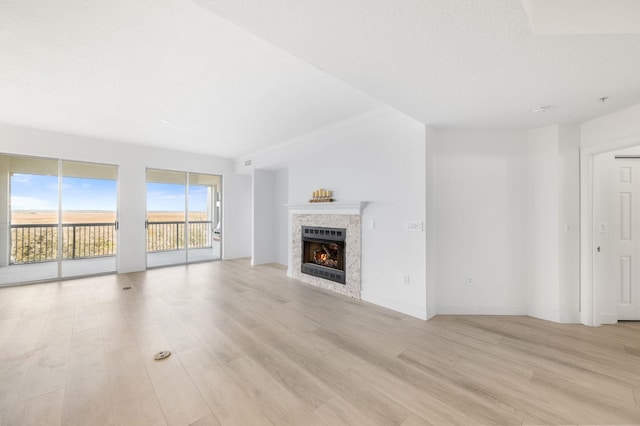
column 355, row 207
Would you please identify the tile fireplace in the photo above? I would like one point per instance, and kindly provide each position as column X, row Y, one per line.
column 325, row 246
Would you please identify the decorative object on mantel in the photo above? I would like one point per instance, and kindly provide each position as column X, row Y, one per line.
column 322, row 196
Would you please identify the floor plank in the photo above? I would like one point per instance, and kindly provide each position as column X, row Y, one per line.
column 44, row 410
column 87, row 399
column 229, row 403
column 133, row 398
column 274, row 401
column 338, row 412
column 6, row 327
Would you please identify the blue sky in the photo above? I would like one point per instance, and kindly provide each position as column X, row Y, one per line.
column 40, row 192
column 34, row 192
column 170, row 197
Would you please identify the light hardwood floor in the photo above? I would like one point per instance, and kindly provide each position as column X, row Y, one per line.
column 252, row 347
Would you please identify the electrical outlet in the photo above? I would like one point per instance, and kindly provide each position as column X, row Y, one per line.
column 469, row 280
column 406, row 280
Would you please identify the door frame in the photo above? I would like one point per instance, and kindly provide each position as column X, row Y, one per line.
column 590, row 312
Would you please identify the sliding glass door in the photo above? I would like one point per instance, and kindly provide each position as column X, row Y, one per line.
column 60, row 220
column 166, row 204
column 183, row 217
column 30, row 243
column 89, row 218
column 204, row 217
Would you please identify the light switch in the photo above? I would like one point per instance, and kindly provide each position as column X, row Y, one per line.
column 413, row 226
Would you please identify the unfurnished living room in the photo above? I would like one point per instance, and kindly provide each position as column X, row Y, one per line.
column 249, row 212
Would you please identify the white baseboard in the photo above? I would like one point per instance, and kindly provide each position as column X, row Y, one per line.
column 432, row 311
column 543, row 313
column 608, row 318
column 262, row 262
column 412, row 310
column 555, row 316
column 570, row 317
column 481, row 310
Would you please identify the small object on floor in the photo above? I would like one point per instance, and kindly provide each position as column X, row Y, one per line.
column 162, row 355
column 126, row 288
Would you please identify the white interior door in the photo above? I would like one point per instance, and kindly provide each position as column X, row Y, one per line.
column 617, row 234
column 627, row 246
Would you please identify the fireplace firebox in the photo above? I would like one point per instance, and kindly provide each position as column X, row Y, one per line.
column 323, row 252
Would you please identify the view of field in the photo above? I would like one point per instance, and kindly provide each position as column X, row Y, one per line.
column 82, row 238
column 29, row 217
column 87, row 225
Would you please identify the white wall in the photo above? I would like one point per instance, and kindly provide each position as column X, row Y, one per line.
column 553, row 290
column 379, row 159
column 236, row 220
column 504, row 199
column 263, row 229
column 616, row 125
column 269, row 239
column 282, row 216
column 431, row 224
column 132, row 161
column 481, row 214
column 569, row 164
column 543, row 251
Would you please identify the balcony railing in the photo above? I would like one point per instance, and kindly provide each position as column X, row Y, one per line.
column 167, row 236
column 34, row 243
column 39, row 242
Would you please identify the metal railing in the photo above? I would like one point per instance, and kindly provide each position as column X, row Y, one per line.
column 167, row 236
column 82, row 240
column 34, row 243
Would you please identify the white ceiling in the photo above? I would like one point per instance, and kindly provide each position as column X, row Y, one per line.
column 257, row 73
column 583, row 16
column 453, row 63
column 159, row 72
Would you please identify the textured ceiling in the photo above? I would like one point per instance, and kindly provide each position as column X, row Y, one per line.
column 451, row 63
column 583, row 16
column 165, row 73
column 231, row 77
